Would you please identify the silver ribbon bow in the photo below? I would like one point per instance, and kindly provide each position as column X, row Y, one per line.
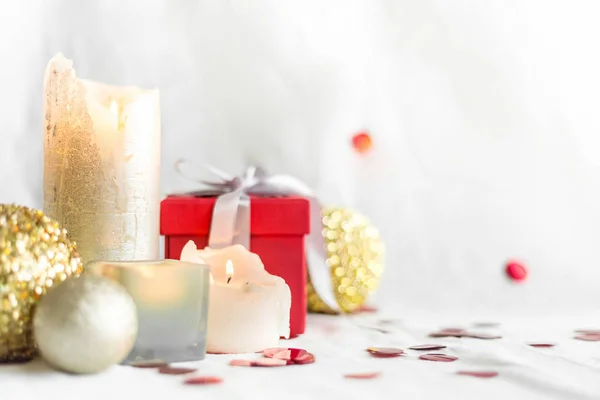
column 231, row 216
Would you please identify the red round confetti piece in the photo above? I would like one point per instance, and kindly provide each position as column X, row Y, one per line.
column 438, row 357
column 203, row 380
column 478, row 374
column 269, row 362
column 307, row 358
column 588, row 337
column 289, row 354
column 516, row 271
column 588, row 331
column 485, row 336
column 385, row 351
column 240, row 363
column 176, row 371
column 270, row 352
column 429, row 347
column 447, row 333
column 362, row 142
column 367, row 309
column 364, row 375
column 541, row 345
column 452, row 330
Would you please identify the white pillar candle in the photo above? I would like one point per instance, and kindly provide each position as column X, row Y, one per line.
column 102, row 164
column 249, row 309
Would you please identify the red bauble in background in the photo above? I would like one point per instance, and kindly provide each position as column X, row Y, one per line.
column 516, row 270
column 362, row 142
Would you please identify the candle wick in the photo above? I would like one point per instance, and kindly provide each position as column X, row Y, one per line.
column 228, row 279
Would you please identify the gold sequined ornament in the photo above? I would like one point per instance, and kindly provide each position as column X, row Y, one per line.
column 35, row 254
column 355, row 257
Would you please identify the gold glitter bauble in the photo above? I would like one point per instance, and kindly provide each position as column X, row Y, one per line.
column 355, row 257
column 35, row 254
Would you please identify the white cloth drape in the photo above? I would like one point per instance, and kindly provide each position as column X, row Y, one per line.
column 483, row 115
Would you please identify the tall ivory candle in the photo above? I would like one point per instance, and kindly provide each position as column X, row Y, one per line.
column 249, row 309
column 102, row 164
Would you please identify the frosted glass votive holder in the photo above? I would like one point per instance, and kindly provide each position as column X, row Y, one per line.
column 172, row 304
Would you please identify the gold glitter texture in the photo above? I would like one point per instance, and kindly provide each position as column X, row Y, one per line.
column 35, row 254
column 355, row 257
column 101, row 174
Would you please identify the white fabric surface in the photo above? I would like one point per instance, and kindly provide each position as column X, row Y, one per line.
column 570, row 371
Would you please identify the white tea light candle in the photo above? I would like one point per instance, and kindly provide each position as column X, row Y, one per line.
column 102, row 164
column 249, row 309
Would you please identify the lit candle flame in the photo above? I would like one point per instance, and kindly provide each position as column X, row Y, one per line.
column 229, row 270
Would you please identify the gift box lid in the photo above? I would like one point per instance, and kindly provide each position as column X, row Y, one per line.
column 189, row 215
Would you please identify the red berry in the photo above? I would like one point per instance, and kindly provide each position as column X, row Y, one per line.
column 516, row 271
column 362, row 142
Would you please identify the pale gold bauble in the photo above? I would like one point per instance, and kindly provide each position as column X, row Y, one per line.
column 86, row 324
column 355, row 257
column 35, row 254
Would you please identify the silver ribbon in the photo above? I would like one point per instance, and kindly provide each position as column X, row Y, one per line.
column 231, row 216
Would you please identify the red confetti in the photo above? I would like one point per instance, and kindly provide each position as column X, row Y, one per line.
column 367, row 309
column 203, row 380
column 280, row 356
column 362, row 142
column 447, row 333
column 429, row 347
column 240, row 363
column 176, row 371
column 485, row 336
column 385, row 352
column 364, row 375
column 588, row 331
column 438, row 357
column 269, row 362
column 588, row 337
column 289, row 354
column 478, row 374
column 307, row 358
column 149, row 364
column 270, row 352
column 541, row 345
column 452, row 330
column 516, row 271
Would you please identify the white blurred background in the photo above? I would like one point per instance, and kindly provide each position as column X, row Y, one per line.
column 484, row 117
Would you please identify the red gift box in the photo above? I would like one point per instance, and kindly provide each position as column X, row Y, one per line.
column 277, row 229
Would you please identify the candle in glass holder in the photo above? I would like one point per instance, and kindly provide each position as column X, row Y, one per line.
column 249, row 308
column 102, row 164
column 171, row 298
